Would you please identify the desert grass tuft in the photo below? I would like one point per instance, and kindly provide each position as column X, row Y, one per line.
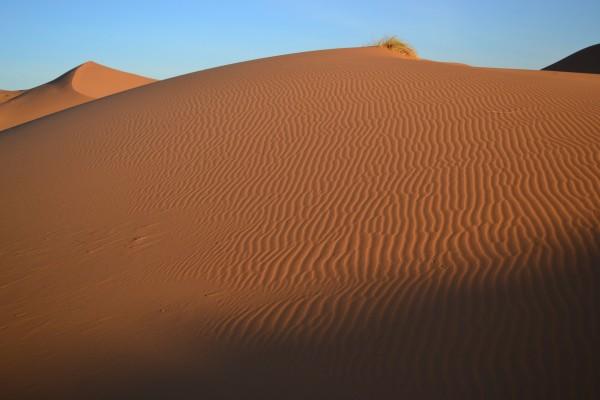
column 394, row 44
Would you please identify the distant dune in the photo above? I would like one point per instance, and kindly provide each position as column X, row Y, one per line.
column 586, row 60
column 340, row 224
column 86, row 82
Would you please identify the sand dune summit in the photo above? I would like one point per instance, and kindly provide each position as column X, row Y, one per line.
column 586, row 60
column 340, row 224
column 86, row 82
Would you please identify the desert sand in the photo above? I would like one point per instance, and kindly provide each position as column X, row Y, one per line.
column 584, row 61
column 84, row 83
column 6, row 95
column 339, row 224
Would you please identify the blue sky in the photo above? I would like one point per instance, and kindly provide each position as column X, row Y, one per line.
column 161, row 39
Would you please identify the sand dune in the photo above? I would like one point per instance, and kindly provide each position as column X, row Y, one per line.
column 84, row 83
column 586, row 60
column 325, row 225
column 6, row 95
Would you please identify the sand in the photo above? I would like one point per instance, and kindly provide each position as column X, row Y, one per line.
column 88, row 81
column 325, row 225
column 583, row 61
column 6, row 95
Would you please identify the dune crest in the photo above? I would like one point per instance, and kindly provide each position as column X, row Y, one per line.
column 95, row 80
column 340, row 224
column 86, row 82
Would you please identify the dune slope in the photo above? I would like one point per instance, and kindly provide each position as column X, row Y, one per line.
column 86, row 82
column 6, row 95
column 586, row 61
column 333, row 224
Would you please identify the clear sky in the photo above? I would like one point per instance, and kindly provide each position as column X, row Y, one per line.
column 42, row 39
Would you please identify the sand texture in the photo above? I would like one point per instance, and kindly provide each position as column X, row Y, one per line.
column 84, row 83
column 584, row 61
column 340, row 224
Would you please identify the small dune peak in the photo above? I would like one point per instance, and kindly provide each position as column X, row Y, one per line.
column 85, row 82
column 86, row 69
column 89, row 62
column 91, row 66
column 96, row 80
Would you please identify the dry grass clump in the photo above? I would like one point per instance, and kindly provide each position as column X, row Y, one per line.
column 394, row 44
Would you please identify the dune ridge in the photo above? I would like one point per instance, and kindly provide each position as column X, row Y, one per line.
column 332, row 224
column 83, row 83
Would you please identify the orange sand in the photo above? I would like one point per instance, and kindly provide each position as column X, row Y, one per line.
column 6, row 95
column 86, row 82
column 326, row 225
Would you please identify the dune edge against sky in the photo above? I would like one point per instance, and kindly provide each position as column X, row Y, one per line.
column 86, row 82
